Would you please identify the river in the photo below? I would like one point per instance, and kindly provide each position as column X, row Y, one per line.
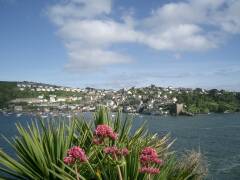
column 217, row 136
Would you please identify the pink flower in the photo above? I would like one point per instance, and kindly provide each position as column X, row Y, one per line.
column 158, row 161
column 116, row 151
column 149, row 155
column 77, row 153
column 124, row 152
column 113, row 136
column 104, row 131
column 69, row 160
column 149, row 151
column 111, row 150
column 149, row 170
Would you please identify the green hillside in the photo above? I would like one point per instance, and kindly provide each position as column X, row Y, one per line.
column 8, row 91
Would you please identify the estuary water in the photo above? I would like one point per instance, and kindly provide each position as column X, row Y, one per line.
column 217, row 136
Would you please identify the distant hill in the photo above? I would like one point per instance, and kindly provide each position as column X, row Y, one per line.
column 36, row 83
column 196, row 100
column 3, row 83
column 8, row 92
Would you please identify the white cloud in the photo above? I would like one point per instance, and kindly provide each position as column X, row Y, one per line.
column 89, row 31
column 229, row 18
column 98, row 32
column 91, row 58
column 192, row 24
column 182, row 37
column 74, row 9
column 214, row 13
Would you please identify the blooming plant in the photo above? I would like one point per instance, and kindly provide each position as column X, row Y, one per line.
column 106, row 149
column 75, row 154
column 149, row 155
column 103, row 131
column 114, row 151
column 148, row 158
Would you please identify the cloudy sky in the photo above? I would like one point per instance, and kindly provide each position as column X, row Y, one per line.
column 121, row 43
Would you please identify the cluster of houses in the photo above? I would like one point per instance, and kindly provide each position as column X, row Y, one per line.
column 148, row 100
column 40, row 99
column 44, row 87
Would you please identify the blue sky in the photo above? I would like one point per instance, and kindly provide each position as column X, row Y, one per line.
column 115, row 44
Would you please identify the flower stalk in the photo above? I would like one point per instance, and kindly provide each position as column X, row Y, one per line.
column 76, row 170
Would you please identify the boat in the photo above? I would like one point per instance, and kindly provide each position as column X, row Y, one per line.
column 69, row 116
column 19, row 114
column 44, row 116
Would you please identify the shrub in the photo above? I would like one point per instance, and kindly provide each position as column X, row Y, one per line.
column 105, row 148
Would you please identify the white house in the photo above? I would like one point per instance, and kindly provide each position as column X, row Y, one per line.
column 61, row 99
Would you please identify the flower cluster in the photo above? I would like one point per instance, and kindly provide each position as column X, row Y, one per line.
column 149, row 156
column 149, row 170
column 116, row 151
column 103, row 131
column 69, row 160
column 75, row 153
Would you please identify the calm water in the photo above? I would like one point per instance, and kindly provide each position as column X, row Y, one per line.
column 217, row 136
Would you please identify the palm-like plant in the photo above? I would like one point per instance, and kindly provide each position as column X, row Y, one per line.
column 37, row 149
column 41, row 148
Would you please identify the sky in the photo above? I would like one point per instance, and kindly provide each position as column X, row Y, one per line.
column 121, row 43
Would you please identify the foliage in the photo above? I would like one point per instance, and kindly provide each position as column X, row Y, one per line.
column 41, row 148
column 7, row 92
column 10, row 91
column 211, row 101
column 38, row 150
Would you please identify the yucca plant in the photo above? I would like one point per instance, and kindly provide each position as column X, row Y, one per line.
column 38, row 147
column 48, row 150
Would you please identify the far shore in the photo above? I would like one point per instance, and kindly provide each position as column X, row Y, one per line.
column 69, row 113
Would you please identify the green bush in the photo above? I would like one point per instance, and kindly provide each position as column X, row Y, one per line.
column 42, row 147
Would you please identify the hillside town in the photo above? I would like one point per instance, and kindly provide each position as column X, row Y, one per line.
column 152, row 100
column 147, row 100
